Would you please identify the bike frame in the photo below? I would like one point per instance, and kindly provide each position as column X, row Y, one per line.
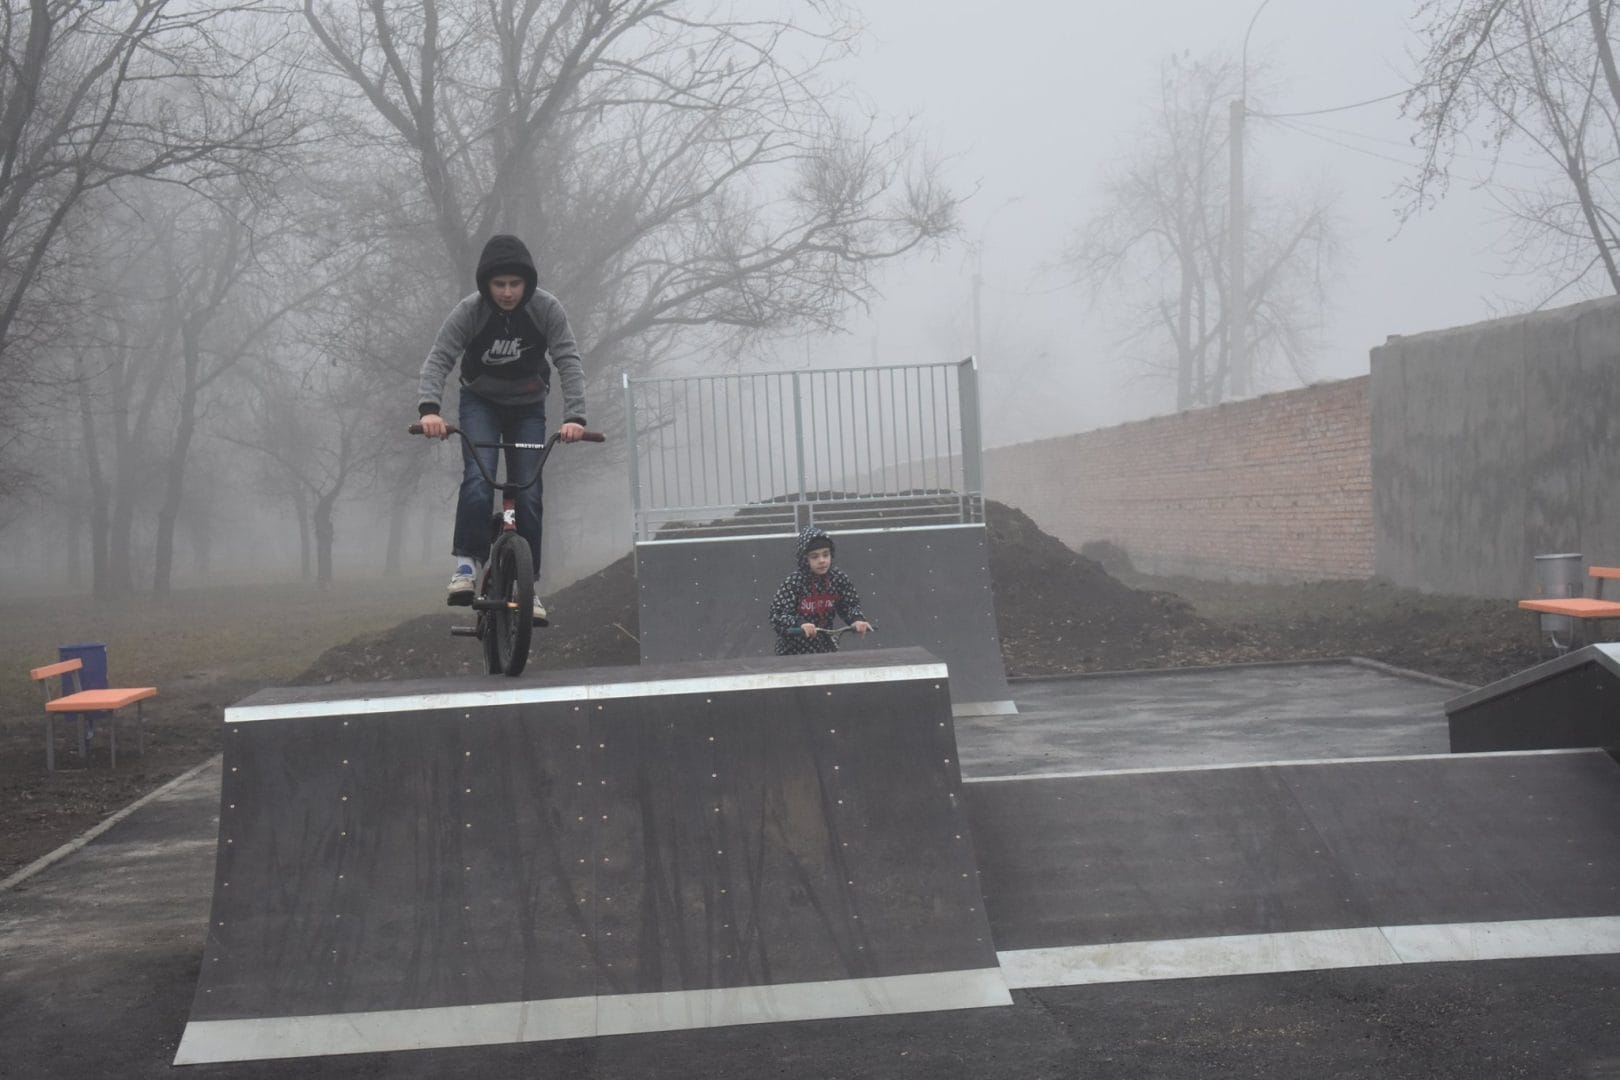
column 503, row 608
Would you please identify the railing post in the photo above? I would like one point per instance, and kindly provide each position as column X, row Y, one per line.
column 972, row 439
column 798, row 446
column 635, row 474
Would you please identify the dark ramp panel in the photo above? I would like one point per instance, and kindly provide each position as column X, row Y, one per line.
column 1205, row 853
column 475, row 861
column 1572, row 701
column 710, row 599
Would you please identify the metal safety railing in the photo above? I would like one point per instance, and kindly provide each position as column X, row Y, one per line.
column 771, row 452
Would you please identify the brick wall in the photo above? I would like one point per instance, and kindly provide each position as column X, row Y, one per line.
column 1276, row 488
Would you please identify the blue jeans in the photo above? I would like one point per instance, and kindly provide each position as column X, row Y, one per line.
column 484, row 421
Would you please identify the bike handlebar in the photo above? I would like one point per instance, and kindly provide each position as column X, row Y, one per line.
column 451, row 429
column 509, row 487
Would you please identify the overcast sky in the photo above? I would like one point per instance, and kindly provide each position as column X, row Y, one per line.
column 1031, row 98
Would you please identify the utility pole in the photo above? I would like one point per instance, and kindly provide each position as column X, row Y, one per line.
column 1237, row 320
column 978, row 288
column 1237, row 353
column 978, row 275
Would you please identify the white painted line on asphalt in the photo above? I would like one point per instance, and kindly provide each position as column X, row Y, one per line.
column 90, row 834
column 1310, row 950
column 1083, row 773
column 534, row 695
column 571, row 1018
column 1505, row 940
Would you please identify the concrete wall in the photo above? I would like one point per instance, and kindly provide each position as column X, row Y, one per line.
column 1494, row 442
column 1276, row 488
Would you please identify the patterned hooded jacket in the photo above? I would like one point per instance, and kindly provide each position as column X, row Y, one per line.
column 814, row 598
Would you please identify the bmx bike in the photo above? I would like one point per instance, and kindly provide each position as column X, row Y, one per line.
column 504, row 595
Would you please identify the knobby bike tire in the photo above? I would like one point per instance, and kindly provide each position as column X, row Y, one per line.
column 511, row 577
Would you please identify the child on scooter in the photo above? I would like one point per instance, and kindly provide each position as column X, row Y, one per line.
column 802, row 610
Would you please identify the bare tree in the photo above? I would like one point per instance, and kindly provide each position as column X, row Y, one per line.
column 316, row 428
column 94, row 93
column 1537, row 76
column 1155, row 251
column 675, row 168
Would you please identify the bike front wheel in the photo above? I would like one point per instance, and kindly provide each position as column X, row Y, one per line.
column 511, row 581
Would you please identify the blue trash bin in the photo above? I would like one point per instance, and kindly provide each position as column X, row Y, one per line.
column 93, row 676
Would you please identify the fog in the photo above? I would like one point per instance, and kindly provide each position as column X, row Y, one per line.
column 1029, row 107
column 1024, row 108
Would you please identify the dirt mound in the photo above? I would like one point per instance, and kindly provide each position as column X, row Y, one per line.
column 1056, row 611
column 1059, row 611
column 593, row 623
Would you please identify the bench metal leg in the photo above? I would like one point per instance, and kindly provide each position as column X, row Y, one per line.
column 112, row 737
column 50, row 743
column 84, row 741
column 140, row 728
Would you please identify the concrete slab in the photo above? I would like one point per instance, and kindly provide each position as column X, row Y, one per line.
column 1204, row 716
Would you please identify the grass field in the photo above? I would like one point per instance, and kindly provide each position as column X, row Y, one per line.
column 261, row 633
column 203, row 648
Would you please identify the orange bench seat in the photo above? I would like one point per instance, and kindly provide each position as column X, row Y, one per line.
column 102, row 700
column 79, row 703
column 1576, row 607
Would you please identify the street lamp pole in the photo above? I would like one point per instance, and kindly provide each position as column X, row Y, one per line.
column 1237, row 322
column 978, row 275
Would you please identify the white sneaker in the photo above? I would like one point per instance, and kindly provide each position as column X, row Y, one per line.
column 462, row 587
column 540, row 611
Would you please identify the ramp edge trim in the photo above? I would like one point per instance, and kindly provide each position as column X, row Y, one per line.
column 790, row 533
column 1309, row 950
column 262, row 1038
column 723, row 684
column 1083, row 774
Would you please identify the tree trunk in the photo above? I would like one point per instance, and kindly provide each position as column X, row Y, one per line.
column 398, row 510
column 202, row 534
column 305, row 549
column 174, row 488
column 324, row 535
column 121, row 533
column 429, row 522
column 100, row 584
column 1600, row 33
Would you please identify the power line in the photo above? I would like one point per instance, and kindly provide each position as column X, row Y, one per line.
column 1477, row 181
column 1335, row 108
column 1486, row 159
column 1418, row 86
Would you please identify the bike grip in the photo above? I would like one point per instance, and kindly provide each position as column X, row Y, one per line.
column 416, row 429
column 593, row 436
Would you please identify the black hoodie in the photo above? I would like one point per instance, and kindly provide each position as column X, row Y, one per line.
column 503, row 355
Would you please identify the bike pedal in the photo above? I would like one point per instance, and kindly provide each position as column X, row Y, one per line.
column 541, row 622
column 459, row 599
column 464, row 631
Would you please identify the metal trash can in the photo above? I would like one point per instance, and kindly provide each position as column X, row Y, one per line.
column 1560, row 578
